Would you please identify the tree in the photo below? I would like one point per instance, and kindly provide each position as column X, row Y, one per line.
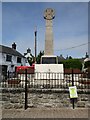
column 70, row 57
column 38, row 58
column 72, row 63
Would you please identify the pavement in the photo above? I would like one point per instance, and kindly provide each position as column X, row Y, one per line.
column 46, row 113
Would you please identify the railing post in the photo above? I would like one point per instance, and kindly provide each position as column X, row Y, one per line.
column 73, row 85
column 72, row 78
column 25, row 89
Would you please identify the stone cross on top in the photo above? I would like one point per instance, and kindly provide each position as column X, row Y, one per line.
column 49, row 15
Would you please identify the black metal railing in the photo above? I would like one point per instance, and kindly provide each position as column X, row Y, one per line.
column 45, row 80
column 23, row 82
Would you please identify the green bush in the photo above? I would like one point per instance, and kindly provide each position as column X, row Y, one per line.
column 72, row 63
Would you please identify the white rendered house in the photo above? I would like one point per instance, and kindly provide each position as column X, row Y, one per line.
column 10, row 58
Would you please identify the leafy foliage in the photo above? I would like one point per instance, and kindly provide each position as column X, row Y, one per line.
column 38, row 59
column 72, row 63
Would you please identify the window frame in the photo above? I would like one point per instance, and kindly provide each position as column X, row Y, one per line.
column 19, row 59
column 8, row 58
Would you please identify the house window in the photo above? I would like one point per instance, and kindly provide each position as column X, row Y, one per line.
column 8, row 58
column 18, row 60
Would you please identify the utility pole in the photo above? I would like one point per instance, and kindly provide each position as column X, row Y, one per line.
column 35, row 43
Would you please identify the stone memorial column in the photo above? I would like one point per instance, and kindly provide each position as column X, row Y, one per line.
column 49, row 16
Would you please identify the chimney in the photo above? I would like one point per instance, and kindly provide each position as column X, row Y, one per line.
column 14, row 46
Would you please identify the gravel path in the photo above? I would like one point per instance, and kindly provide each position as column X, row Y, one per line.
column 45, row 113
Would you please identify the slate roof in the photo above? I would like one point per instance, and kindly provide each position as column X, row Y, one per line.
column 8, row 50
column 60, row 58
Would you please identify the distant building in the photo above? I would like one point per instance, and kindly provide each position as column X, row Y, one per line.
column 28, row 54
column 10, row 58
column 83, row 58
column 29, row 57
column 60, row 59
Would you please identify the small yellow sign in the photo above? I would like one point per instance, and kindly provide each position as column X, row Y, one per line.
column 73, row 92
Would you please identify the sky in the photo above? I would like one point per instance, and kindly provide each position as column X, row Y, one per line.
column 0, row 22
column 70, row 26
column 45, row 0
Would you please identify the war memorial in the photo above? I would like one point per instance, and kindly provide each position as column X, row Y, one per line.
column 48, row 57
column 47, row 88
column 49, row 62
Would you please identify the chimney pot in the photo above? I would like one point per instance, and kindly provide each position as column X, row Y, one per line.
column 14, row 46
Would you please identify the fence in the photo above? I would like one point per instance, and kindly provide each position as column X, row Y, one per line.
column 25, row 81
column 44, row 80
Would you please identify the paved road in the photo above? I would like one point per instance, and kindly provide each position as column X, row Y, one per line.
column 45, row 113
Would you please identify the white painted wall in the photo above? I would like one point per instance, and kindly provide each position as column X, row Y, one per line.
column 1, row 57
column 23, row 61
column 49, row 68
column 14, row 62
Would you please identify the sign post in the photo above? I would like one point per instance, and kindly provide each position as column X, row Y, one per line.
column 73, row 93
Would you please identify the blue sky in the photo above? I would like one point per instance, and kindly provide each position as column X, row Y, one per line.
column 70, row 26
column 0, row 22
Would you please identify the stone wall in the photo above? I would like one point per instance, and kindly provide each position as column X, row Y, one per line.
column 39, row 99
